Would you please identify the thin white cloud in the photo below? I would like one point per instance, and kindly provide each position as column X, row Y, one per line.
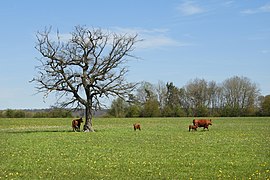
column 263, row 9
column 157, row 41
column 152, row 38
column 265, row 51
column 228, row 3
column 248, row 11
column 189, row 8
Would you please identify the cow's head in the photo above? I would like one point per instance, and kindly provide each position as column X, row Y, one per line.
column 80, row 120
column 210, row 122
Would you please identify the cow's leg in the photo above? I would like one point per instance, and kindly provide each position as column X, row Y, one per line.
column 76, row 128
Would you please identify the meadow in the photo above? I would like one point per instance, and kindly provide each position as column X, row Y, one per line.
column 233, row 148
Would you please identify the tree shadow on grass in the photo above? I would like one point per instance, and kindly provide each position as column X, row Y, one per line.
column 45, row 131
column 38, row 131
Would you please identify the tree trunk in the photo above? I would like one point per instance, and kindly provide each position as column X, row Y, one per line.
column 88, row 126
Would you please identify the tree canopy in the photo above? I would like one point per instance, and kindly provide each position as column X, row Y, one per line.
column 235, row 96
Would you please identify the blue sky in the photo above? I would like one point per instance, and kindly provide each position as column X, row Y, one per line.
column 183, row 40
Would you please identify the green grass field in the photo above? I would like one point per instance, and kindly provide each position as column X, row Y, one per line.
column 233, row 148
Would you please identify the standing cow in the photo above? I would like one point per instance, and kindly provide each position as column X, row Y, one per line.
column 202, row 123
column 76, row 124
column 136, row 126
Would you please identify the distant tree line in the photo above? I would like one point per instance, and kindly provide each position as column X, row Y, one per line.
column 236, row 96
column 48, row 113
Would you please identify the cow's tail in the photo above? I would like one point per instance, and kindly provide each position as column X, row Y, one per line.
column 73, row 126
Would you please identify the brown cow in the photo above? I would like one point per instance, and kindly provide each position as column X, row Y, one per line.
column 202, row 123
column 137, row 126
column 192, row 127
column 76, row 124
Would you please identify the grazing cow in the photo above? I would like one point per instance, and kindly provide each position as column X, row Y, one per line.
column 202, row 123
column 137, row 126
column 76, row 124
column 192, row 127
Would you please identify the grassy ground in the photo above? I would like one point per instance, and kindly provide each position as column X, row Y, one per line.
column 233, row 148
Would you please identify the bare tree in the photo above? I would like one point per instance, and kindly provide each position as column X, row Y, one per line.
column 85, row 68
column 197, row 91
column 240, row 94
column 161, row 90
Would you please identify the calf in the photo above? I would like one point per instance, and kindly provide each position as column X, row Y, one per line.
column 137, row 126
column 76, row 124
column 192, row 127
